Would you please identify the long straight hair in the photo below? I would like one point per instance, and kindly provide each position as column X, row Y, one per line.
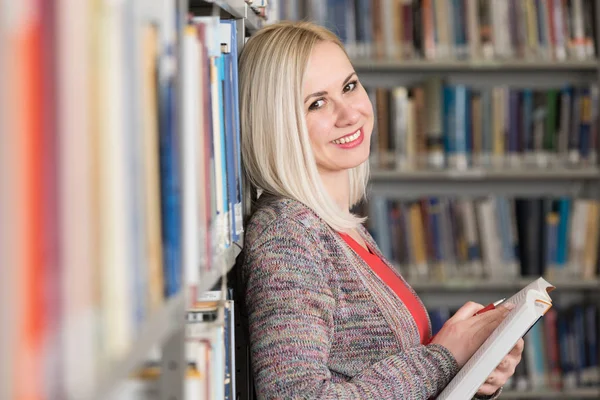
column 276, row 150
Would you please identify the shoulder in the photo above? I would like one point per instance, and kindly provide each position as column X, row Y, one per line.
column 277, row 217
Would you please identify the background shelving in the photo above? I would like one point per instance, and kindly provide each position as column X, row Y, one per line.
column 580, row 182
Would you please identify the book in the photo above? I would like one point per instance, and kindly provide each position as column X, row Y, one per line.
column 531, row 303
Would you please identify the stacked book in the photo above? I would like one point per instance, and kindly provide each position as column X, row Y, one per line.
column 561, row 349
column 455, row 126
column 479, row 30
column 443, row 239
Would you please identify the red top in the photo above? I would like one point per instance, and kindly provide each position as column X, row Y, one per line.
column 396, row 284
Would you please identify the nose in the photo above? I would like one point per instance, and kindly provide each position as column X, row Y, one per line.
column 347, row 114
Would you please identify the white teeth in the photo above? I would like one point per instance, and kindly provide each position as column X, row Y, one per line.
column 348, row 139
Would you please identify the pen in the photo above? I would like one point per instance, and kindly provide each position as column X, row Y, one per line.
column 490, row 306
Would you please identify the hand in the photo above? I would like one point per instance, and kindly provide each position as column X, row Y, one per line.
column 464, row 333
column 503, row 371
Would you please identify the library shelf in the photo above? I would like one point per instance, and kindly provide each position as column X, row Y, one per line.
column 533, row 182
column 420, row 65
column 223, row 263
column 459, row 285
column 579, row 393
column 157, row 329
column 237, row 9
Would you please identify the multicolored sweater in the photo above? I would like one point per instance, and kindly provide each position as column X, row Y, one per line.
column 322, row 324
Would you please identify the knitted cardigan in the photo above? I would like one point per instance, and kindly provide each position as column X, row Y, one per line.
column 322, row 324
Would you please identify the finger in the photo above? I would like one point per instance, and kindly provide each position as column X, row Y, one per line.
column 497, row 378
column 507, row 306
column 491, row 319
column 466, row 311
column 487, row 390
column 504, row 364
column 518, row 349
column 508, row 364
column 485, row 324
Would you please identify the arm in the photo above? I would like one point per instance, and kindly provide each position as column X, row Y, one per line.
column 290, row 307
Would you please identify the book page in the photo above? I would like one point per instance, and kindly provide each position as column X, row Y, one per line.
column 504, row 326
column 500, row 342
column 540, row 285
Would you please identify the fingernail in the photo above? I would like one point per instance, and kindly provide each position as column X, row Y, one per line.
column 509, row 306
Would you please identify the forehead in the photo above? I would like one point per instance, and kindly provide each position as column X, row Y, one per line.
column 327, row 66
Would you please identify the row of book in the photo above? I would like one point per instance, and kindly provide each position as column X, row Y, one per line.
column 211, row 152
column 455, row 29
column 113, row 180
column 441, row 239
column 437, row 125
column 91, row 196
column 561, row 350
column 209, row 352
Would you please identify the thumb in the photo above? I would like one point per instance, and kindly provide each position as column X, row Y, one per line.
column 466, row 311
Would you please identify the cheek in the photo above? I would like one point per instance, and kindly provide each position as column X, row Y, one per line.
column 318, row 128
column 364, row 104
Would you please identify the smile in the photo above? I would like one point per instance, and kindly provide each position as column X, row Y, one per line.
column 349, row 138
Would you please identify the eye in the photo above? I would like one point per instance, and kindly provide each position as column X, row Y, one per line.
column 350, row 86
column 316, row 105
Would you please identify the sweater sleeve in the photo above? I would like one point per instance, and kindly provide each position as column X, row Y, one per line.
column 290, row 313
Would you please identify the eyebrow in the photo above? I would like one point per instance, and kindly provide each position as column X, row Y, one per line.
column 318, row 94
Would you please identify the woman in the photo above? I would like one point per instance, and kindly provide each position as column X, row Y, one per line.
column 329, row 318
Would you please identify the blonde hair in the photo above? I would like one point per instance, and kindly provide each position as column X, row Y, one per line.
column 276, row 150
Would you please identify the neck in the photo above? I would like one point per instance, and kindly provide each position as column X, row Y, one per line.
column 337, row 185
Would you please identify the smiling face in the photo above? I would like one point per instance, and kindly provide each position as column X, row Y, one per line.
column 339, row 114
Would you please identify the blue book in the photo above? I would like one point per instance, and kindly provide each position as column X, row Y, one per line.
column 449, row 114
column 460, row 26
column 378, row 209
column 434, row 212
column 562, row 240
column 504, row 230
column 456, row 115
column 580, row 345
column 585, row 125
column 229, row 122
column 237, row 146
column 487, row 135
column 363, row 26
column 591, row 342
column 564, row 340
column 170, row 188
column 527, row 128
column 220, row 63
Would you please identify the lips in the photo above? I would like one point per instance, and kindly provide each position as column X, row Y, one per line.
column 348, row 138
column 350, row 141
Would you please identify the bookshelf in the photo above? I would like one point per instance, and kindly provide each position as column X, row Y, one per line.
column 365, row 31
column 476, row 66
column 585, row 393
column 58, row 302
column 553, row 181
column 473, row 286
column 579, row 182
column 163, row 325
column 236, row 9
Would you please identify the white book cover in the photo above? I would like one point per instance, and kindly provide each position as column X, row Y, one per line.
column 79, row 310
column 189, row 150
column 114, row 192
column 531, row 303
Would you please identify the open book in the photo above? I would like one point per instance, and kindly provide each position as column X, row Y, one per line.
column 531, row 304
